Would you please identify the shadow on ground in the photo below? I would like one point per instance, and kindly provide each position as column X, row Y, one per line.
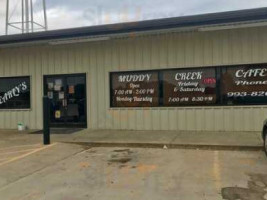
column 60, row 131
column 257, row 189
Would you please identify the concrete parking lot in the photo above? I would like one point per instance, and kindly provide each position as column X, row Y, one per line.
column 68, row 171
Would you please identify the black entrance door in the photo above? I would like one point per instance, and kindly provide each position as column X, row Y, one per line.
column 68, row 100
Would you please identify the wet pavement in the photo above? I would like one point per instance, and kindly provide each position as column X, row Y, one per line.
column 68, row 171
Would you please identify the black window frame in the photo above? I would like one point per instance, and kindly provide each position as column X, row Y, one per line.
column 29, row 100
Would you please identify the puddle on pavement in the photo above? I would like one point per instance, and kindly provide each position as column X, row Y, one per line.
column 256, row 189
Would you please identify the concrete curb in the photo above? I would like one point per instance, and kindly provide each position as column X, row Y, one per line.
column 171, row 146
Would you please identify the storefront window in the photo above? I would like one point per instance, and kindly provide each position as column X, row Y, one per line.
column 244, row 85
column 189, row 87
column 224, row 85
column 15, row 93
column 135, row 89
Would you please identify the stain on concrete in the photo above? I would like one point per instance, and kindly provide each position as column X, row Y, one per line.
column 84, row 165
column 121, row 156
column 256, row 189
column 92, row 151
column 120, row 160
column 123, row 150
column 85, row 147
column 142, row 168
column 114, row 156
column 122, row 166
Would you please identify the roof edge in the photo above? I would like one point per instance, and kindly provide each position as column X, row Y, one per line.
column 202, row 20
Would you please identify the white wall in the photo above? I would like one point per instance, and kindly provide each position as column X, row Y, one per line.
column 174, row 50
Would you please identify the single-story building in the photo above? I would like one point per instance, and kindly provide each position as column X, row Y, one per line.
column 196, row 73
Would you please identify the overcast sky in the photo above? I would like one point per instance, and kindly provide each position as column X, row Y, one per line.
column 77, row 13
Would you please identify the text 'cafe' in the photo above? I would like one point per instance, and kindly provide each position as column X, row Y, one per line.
column 193, row 73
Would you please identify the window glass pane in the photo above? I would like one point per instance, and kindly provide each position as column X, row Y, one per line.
column 134, row 89
column 231, row 85
column 15, row 93
column 184, row 87
column 244, row 85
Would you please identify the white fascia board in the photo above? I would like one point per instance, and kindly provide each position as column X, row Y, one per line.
column 233, row 26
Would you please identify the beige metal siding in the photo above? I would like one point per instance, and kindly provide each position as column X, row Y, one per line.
column 174, row 50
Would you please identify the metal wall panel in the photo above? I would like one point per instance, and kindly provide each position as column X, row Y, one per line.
column 173, row 50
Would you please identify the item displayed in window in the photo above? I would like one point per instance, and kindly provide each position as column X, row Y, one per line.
column 71, row 89
column 57, row 88
column 58, row 85
column 61, row 95
column 58, row 82
column 50, row 95
column 50, row 86
column 15, row 93
column 57, row 114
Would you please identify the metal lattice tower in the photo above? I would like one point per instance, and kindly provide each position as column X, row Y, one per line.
column 27, row 23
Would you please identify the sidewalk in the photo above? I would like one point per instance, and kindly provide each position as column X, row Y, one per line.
column 170, row 139
column 145, row 139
